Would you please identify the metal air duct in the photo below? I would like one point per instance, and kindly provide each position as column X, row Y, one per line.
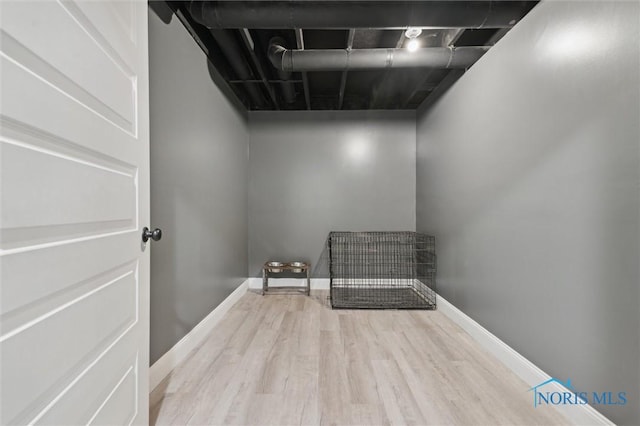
column 367, row 59
column 288, row 91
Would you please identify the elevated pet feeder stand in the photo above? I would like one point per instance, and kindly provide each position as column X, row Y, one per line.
column 273, row 269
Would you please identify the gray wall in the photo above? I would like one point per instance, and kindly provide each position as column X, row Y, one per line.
column 199, row 160
column 315, row 172
column 528, row 174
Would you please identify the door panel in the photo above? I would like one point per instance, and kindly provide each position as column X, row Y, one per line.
column 118, row 409
column 50, row 285
column 103, row 382
column 28, row 217
column 122, row 39
column 74, row 153
column 59, row 43
column 99, row 318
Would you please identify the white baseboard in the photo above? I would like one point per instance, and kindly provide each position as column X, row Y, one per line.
column 522, row 367
column 316, row 283
column 163, row 366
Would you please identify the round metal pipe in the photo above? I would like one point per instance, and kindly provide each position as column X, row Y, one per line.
column 363, row 59
column 288, row 91
column 358, row 14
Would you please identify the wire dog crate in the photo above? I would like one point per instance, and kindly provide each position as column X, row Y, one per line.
column 382, row 270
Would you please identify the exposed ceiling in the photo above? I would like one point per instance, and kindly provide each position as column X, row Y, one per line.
column 344, row 55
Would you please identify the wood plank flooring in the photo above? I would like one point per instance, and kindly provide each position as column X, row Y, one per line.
column 291, row 360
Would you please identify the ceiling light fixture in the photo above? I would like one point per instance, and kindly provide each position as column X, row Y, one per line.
column 412, row 34
column 413, row 45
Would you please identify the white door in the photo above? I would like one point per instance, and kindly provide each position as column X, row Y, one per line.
column 74, row 154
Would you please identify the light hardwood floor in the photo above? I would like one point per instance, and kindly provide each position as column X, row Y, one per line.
column 291, row 360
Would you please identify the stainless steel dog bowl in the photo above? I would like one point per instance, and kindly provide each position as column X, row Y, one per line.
column 275, row 266
column 297, row 267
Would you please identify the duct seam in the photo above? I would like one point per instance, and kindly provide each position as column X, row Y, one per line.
column 450, row 56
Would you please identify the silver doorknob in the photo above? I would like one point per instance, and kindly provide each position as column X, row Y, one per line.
column 155, row 235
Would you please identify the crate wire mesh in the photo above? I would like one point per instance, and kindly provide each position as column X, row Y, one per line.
column 382, row 270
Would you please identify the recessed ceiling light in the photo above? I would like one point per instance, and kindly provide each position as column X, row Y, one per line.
column 412, row 32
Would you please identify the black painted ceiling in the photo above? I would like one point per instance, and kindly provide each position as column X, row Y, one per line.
column 390, row 88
